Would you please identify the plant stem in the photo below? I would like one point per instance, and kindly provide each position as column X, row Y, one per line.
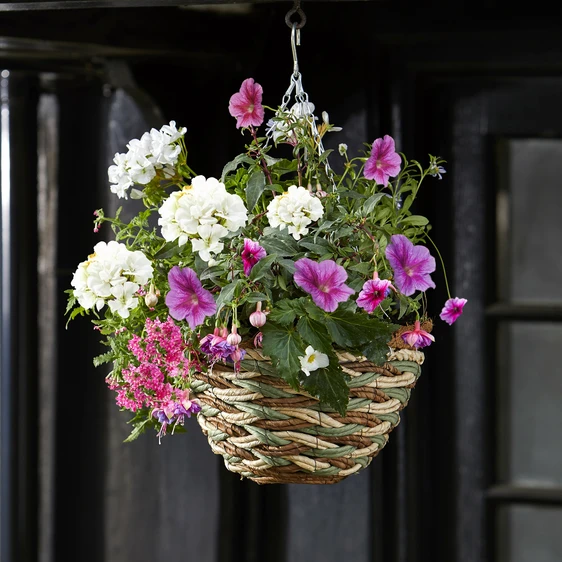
column 442, row 264
column 262, row 159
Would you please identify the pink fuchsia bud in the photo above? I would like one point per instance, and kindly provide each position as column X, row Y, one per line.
column 234, row 337
column 258, row 319
column 237, row 355
column 417, row 337
column 258, row 340
column 224, row 332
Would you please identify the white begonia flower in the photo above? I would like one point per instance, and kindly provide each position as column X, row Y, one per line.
column 202, row 213
column 112, row 274
column 295, row 210
column 313, row 360
column 342, row 148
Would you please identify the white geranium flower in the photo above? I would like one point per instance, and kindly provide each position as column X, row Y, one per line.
column 172, row 132
column 209, row 240
column 295, row 210
column 313, row 360
column 124, row 300
column 141, row 169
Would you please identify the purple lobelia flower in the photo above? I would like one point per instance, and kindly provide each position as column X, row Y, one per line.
column 246, row 105
column 417, row 337
column 384, row 161
column 412, row 265
column 325, row 281
column 373, row 293
column 187, row 299
column 452, row 310
column 251, row 254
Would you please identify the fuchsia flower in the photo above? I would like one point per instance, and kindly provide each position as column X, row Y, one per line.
column 246, row 104
column 452, row 310
column 417, row 337
column 325, row 281
column 384, row 161
column 251, row 254
column 412, row 265
column 187, row 299
column 373, row 293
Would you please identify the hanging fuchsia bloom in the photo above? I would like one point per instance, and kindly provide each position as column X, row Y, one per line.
column 384, row 161
column 417, row 337
column 251, row 254
column 246, row 104
column 187, row 298
column 452, row 310
column 373, row 293
column 412, row 265
column 325, row 281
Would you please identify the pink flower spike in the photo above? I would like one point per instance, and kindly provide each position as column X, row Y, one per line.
column 452, row 310
column 251, row 254
column 187, row 299
column 246, row 105
column 412, row 265
column 325, row 281
column 384, row 161
column 373, row 293
column 417, row 337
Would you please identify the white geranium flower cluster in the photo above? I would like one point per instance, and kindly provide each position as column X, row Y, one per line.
column 112, row 275
column 204, row 213
column 156, row 150
column 295, row 210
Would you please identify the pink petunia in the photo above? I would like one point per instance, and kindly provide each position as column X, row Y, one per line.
column 251, row 254
column 187, row 299
column 412, row 265
column 373, row 293
column 452, row 310
column 246, row 104
column 417, row 337
column 325, row 281
column 384, row 161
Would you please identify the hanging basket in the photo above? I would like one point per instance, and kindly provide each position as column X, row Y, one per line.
column 270, row 433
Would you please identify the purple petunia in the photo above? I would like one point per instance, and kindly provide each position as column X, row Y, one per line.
column 452, row 310
column 251, row 254
column 325, row 281
column 373, row 293
column 412, row 265
column 246, row 105
column 384, row 161
column 187, row 299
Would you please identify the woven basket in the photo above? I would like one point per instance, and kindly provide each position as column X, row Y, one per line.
column 270, row 433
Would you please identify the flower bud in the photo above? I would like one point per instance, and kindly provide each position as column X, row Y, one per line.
column 257, row 318
column 224, row 332
column 234, row 337
column 258, row 340
column 237, row 355
column 151, row 298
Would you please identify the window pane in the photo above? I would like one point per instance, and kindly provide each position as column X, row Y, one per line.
column 529, row 534
column 530, row 397
column 529, row 203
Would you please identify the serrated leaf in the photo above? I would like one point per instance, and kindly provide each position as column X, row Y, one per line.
column 233, row 164
column 262, row 267
column 254, row 189
column 377, row 349
column 283, row 312
column 139, row 429
column 329, row 386
column 103, row 358
column 281, row 245
column 315, row 334
column 284, row 346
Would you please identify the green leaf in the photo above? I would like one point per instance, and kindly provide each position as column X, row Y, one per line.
column 210, row 272
column 283, row 312
column 233, row 164
column 139, row 429
column 314, row 333
column 255, row 297
column 364, row 267
column 288, row 265
column 169, row 250
column 227, row 294
column 104, row 358
column 284, row 346
column 416, row 220
column 281, row 245
column 371, row 203
column 377, row 348
column 254, row 189
column 263, row 267
column 329, row 386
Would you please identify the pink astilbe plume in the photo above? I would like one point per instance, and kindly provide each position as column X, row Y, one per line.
column 384, row 161
column 412, row 265
column 325, row 281
column 246, row 105
column 187, row 299
column 452, row 310
column 251, row 254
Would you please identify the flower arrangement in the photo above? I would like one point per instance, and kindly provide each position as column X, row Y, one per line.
column 280, row 254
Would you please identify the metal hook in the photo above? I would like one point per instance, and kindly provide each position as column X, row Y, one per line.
column 295, row 40
column 296, row 9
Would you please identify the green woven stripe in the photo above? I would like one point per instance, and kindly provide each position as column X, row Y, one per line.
column 392, row 417
column 363, row 380
column 331, row 453
column 267, row 390
column 407, row 367
column 402, row 394
column 265, row 436
column 262, row 412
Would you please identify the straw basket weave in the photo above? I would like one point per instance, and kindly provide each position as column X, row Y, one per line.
column 270, row 433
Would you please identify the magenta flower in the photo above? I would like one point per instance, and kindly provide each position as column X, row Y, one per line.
column 373, row 293
column 417, row 337
column 187, row 299
column 384, row 161
column 452, row 310
column 325, row 281
column 412, row 265
column 251, row 254
column 246, row 105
